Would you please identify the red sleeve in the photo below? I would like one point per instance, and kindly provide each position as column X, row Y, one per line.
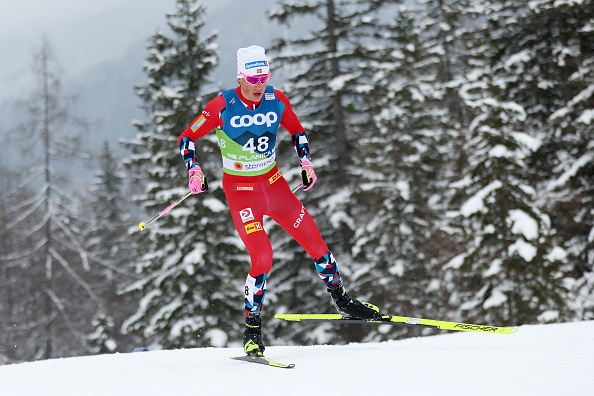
column 289, row 119
column 206, row 122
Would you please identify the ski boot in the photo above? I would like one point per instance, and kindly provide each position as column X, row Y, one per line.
column 349, row 307
column 252, row 336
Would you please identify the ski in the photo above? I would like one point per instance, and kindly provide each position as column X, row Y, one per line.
column 398, row 321
column 262, row 360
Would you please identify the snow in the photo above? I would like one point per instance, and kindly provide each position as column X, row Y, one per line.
column 583, row 96
column 543, row 360
column 519, row 58
column 523, row 224
column 494, row 268
column 524, row 249
column 497, row 298
column 456, row 262
column 572, row 171
column 587, row 117
column 500, row 151
column 404, row 189
column 338, row 83
column 214, row 205
column 476, row 203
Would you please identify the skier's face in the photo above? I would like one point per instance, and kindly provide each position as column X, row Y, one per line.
column 252, row 92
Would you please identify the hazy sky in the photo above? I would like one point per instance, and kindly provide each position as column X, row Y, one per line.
column 100, row 47
column 82, row 33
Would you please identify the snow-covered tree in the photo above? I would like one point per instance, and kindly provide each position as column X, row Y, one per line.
column 327, row 82
column 112, row 251
column 513, row 268
column 404, row 162
column 100, row 340
column 189, row 260
column 55, row 299
column 552, row 73
column 508, row 272
column 15, row 283
column 418, row 147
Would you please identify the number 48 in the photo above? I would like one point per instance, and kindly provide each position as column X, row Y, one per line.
column 262, row 145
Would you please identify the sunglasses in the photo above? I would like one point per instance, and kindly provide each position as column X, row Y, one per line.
column 256, row 79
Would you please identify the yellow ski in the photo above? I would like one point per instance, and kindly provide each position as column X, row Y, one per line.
column 262, row 360
column 398, row 320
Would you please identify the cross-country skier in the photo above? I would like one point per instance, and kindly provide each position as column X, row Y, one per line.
column 246, row 120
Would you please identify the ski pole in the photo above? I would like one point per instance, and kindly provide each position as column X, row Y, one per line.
column 297, row 188
column 142, row 225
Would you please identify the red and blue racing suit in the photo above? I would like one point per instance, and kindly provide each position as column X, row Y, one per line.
column 253, row 186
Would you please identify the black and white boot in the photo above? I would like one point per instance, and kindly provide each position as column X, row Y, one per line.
column 252, row 336
column 347, row 306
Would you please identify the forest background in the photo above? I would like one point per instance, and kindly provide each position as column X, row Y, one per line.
column 452, row 140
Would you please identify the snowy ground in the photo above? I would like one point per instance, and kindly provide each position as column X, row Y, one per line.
column 537, row 360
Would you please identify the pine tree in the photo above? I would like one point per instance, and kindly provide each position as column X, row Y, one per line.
column 551, row 56
column 101, row 340
column 413, row 150
column 189, row 293
column 554, row 68
column 55, row 300
column 511, row 270
column 327, row 82
column 398, row 157
column 111, row 250
column 506, row 273
column 15, row 283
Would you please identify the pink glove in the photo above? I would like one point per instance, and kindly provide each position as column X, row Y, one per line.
column 308, row 175
column 198, row 182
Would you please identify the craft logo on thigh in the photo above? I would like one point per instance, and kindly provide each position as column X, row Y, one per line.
column 300, row 218
column 246, row 215
column 274, row 177
column 253, row 227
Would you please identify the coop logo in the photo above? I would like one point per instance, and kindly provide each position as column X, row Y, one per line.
column 258, row 119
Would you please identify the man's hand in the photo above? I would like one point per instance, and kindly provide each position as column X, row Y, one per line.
column 308, row 175
column 197, row 182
